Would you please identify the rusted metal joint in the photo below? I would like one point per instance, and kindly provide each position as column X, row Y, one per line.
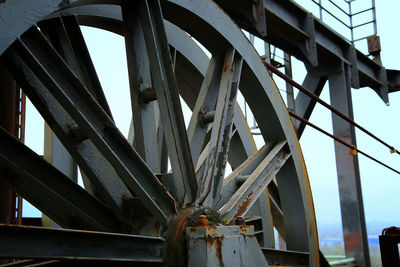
column 240, row 221
column 148, row 95
column 201, row 215
column 203, row 220
column 76, row 134
column 207, row 117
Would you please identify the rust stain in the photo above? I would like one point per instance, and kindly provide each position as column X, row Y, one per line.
column 243, row 206
column 203, row 220
column 244, row 227
column 181, row 225
column 227, row 67
column 217, row 242
column 352, row 241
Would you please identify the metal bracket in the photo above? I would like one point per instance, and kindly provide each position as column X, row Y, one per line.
column 224, row 246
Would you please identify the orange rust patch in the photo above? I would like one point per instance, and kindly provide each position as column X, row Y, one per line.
column 243, row 206
column 217, row 241
column 244, row 227
column 203, row 220
column 352, row 241
column 227, row 67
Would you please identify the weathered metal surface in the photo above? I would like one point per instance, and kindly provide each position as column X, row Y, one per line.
column 51, row 191
column 56, row 154
column 168, row 99
column 304, row 105
column 105, row 183
column 144, row 110
column 249, row 12
column 84, row 62
column 205, row 102
column 350, row 194
column 285, row 257
column 44, row 243
column 7, row 121
column 255, row 183
column 216, row 150
column 94, row 123
column 223, row 246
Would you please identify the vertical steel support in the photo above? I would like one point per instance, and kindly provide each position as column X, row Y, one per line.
column 351, row 202
column 289, row 87
column 7, row 121
column 56, row 154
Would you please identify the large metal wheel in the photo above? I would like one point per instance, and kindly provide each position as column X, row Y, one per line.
column 133, row 191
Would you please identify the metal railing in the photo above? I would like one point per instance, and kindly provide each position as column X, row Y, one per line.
column 333, row 9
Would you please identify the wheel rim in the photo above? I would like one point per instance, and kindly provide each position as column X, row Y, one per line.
column 215, row 31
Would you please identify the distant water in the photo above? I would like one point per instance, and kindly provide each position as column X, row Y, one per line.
column 339, row 241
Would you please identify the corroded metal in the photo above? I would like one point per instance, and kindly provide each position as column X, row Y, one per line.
column 223, row 246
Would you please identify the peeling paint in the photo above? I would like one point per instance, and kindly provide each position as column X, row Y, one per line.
column 244, row 206
column 217, row 241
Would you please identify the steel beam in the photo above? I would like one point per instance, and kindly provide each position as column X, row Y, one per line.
column 48, row 189
column 104, row 183
column 44, row 243
column 205, row 103
column 304, row 105
column 290, row 100
column 221, row 85
column 94, row 123
column 290, row 27
column 255, row 183
column 222, row 127
column 7, row 121
column 168, row 101
column 144, row 108
column 57, row 155
column 393, row 77
column 84, row 61
column 351, row 202
column 286, row 257
column 66, row 37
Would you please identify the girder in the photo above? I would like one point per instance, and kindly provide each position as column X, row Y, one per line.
column 297, row 32
column 94, row 123
column 60, row 244
column 52, row 192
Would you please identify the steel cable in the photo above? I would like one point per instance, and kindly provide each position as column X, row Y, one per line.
column 323, row 103
column 353, row 147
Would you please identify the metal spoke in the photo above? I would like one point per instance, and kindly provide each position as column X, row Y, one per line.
column 51, row 191
column 66, row 37
column 166, row 88
column 72, row 46
column 104, row 182
column 142, row 94
column 205, row 102
column 211, row 179
column 89, row 75
column 255, row 183
column 95, row 123
column 45, row 243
